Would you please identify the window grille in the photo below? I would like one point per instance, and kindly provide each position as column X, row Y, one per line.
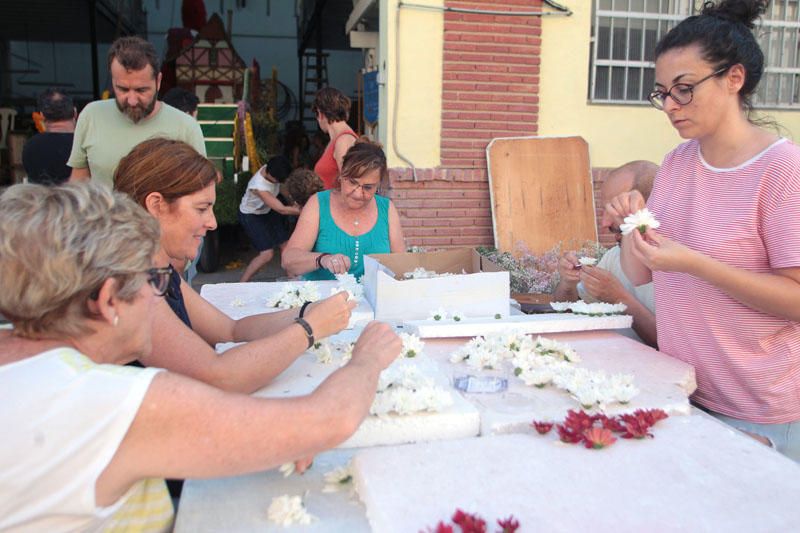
column 625, row 33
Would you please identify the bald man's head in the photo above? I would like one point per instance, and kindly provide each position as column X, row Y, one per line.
column 636, row 175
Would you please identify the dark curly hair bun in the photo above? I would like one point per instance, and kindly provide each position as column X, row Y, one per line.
column 742, row 11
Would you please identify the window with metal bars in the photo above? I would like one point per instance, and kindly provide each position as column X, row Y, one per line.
column 625, row 33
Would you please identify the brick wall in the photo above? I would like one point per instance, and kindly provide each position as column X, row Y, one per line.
column 489, row 89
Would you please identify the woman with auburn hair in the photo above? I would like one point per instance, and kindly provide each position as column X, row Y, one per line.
column 177, row 186
column 337, row 228
column 84, row 437
column 725, row 260
column 332, row 109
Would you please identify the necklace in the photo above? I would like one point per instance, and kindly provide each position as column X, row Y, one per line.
column 355, row 222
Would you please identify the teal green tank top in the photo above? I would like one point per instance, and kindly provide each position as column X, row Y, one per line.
column 333, row 240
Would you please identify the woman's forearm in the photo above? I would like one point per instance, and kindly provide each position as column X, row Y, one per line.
column 776, row 294
column 636, row 271
column 297, row 262
column 258, row 326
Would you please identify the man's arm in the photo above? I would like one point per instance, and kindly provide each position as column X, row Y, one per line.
column 80, row 175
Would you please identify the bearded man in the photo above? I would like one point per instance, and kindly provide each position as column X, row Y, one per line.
column 108, row 129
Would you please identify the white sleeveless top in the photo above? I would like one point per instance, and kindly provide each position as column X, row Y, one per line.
column 63, row 418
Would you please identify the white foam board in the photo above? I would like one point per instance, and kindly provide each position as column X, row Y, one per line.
column 239, row 504
column 664, row 382
column 238, row 300
column 695, row 475
column 459, row 420
column 535, row 324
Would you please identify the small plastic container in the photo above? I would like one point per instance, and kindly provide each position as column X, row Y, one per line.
column 480, row 384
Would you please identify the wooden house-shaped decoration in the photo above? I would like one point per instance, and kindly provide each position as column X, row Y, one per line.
column 210, row 66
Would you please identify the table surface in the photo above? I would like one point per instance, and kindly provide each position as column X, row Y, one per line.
column 240, row 503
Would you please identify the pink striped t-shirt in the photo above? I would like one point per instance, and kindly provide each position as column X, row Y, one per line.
column 747, row 362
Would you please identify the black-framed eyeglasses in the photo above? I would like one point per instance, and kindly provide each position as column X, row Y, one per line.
column 681, row 93
column 158, row 278
column 369, row 188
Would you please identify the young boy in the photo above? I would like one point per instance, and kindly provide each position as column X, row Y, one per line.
column 261, row 213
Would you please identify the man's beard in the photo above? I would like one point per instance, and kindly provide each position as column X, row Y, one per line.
column 137, row 113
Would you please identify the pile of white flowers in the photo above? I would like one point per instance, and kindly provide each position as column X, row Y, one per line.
column 349, row 284
column 293, row 295
column 587, row 261
column 328, row 352
column 544, row 361
column 288, row 510
column 421, row 273
column 404, row 389
column 591, row 309
column 641, row 220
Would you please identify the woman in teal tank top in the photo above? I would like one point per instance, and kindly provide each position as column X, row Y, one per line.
column 338, row 227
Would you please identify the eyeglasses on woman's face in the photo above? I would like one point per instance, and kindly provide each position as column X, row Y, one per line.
column 681, row 93
column 368, row 188
column 158, row 278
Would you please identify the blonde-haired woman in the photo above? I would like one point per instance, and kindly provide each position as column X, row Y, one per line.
column 83, row 436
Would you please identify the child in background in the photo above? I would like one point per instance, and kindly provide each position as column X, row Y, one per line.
column 302, row 184
column 261, row 213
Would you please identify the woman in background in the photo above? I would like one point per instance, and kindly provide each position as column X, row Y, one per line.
column 332, row 109
column 338, row 227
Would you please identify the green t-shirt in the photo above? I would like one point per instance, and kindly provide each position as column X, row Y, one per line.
column 104, row 135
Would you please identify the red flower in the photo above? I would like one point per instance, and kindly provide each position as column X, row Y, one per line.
column 613, row 424
column 653, row 416
column 542, row 427
column 598, row 438
column 578, row 421
column 510, row 524
column 568, row 435
column 469, row 523
column 636, row 426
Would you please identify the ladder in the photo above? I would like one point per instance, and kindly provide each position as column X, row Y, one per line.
column 315, row 78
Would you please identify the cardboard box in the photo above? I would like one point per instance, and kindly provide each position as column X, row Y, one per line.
column 475, row 293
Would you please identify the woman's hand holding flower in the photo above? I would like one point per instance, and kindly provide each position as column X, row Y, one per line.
column 658, row 252
column 623, row 205
column 330, row 316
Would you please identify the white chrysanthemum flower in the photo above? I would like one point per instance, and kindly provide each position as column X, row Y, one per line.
column 344, row 351
column 458, row 316
column 560, row 307
column 587, row 396
column 287, row 469
column 412, row 345
column 338, row 479
column 641, row 220
column 404, row 389
column 290, row 295
column 237, row 302
column 587, row 261
column 438, row 314
column 323, row 352
column 349, row 283
column 536, row 377
column 288, row 510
